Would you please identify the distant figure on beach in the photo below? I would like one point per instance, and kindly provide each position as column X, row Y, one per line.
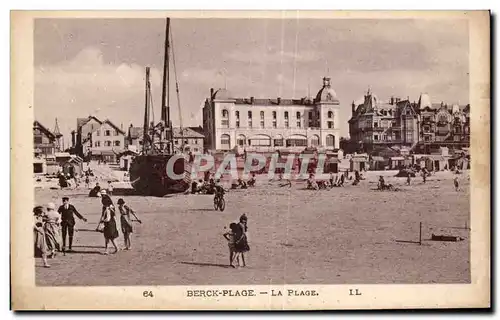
column 110, row 188
column 126, row 222
column 455, row 183
column 408, row 179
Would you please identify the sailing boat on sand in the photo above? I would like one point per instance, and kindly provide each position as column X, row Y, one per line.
column 149, row 171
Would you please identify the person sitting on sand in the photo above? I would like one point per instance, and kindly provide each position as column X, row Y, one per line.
column 251, row 182
column 95, row 191
column 455, row 183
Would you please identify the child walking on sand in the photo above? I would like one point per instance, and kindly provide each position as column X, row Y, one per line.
column 126, row 222
column 231, row 237
column 455, row 182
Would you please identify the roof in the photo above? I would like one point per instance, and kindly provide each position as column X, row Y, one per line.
column 82, row 121
column 114, row 126
column 37, row 124
column 198, row 129
column 186, row 133
column 135, row 132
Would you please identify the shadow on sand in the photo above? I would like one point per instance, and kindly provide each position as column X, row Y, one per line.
column 202, row 264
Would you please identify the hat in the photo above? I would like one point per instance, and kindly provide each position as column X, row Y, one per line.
column 38, row 210
column 65, row 198
column 51, row 206
column 103, row 191
column 120, row 201
column 243, row 217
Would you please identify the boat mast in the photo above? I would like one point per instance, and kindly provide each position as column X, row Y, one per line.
column 146, row 115
column 165, row 96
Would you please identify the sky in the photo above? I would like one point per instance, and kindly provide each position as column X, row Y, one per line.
column 97, row 66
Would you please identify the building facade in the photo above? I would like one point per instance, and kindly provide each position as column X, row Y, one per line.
column 98, row 139
column 420, row 126
column 267, row 125
column 188, row 139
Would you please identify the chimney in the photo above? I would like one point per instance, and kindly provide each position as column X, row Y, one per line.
column 392, row 100
column 211, row 93
column 251, row 100
column 279, row 100
column 121, row 126
column 73, row 138
column 353, row 107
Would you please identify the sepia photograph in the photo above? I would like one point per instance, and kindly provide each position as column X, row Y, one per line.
column 272, row 156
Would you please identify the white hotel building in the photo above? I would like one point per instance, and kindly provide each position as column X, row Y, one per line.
column 266, row 125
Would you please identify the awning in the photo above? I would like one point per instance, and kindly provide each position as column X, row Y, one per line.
column 397, row 158
column 377, row 158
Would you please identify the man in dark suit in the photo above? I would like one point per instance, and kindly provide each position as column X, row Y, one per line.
column 68, row 221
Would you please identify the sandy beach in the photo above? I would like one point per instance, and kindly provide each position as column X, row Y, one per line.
column 353, row 234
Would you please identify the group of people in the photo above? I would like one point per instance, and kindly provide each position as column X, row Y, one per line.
column 48, row 223
column 237, row 238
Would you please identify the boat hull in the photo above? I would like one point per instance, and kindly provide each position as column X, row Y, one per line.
column 148, row 175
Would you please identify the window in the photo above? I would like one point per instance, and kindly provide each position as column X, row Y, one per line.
column 176, row 142
column 107, row 133
column 38, row 139
column 298, row 119
column 116, row 132
column 97, row 144
column 237, row 115
column 98, row 133
column 237, row 123
column 330, row 124
column 298, row 123
column 186, row 141
column 330, row 140
column 107, row 143
column 298, row 115
column 225, row 113
column 296, row 143
column 458, row 129
column 426, row 128
column 249, row 119
column 330, row 114
column 225, row 141
column 240, row 140
column 195, row 141
column 117, row 143
column 225, row 123
column 262, row 119
column 274, row 115
column 263, row 142
column 375, row 124
column 278, row 142
column 310, row 115
column 375, row 137
column 315, row 141
column 286, row 115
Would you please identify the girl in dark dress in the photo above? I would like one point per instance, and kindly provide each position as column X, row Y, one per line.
column 108, row 218
column 241, row 240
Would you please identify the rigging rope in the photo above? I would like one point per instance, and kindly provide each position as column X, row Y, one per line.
column 177, row 89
